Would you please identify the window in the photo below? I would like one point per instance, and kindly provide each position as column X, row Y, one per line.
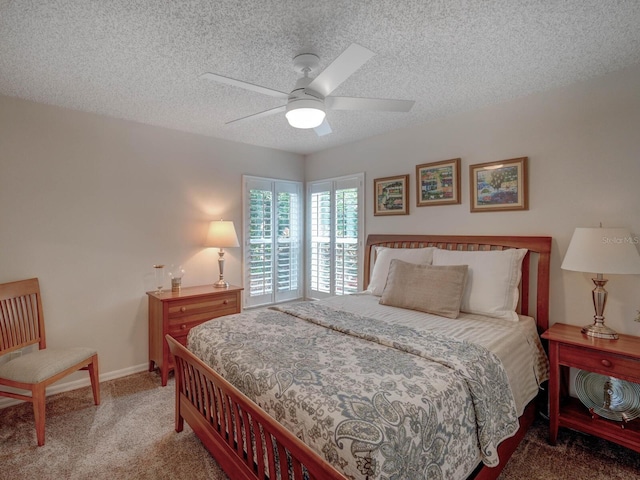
column 335, row 229
column 272, row 240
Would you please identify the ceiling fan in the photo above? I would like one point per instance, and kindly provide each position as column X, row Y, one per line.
column 308, row 101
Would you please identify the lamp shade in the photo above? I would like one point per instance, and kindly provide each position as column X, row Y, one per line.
column 602, row 250
column 221, row 234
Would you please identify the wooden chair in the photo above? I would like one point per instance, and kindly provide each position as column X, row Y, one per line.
column 21, row 325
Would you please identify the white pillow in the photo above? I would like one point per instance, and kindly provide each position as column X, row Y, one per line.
column 384, row 255
column 492, row 280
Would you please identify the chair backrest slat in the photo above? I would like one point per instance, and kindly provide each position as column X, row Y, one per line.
column 21, row 319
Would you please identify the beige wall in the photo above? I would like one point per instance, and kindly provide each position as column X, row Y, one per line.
column 88, row 204
column 583, row 144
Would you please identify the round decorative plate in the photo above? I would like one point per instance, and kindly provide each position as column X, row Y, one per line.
column 609, row 397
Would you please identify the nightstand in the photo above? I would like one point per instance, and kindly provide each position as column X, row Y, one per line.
column 175, row 313
column 620, row 358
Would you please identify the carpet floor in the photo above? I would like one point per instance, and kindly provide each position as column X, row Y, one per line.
column 131, row 436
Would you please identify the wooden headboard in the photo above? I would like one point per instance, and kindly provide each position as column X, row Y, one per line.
column 534, row 283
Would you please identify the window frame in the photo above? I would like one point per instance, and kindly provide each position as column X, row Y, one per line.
column 276, row 186
column 333, row 184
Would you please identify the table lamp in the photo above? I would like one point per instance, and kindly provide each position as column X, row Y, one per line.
column 221, row 234
column 599, row 251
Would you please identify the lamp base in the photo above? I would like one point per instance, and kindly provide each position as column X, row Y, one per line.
column 221, row 282
column 599, row 330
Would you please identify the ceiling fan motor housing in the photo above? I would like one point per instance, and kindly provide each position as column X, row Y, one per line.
column 305, row 108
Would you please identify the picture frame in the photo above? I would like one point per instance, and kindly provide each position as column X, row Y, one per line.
column 391, row 195
column 438, row 183
column 499, row 186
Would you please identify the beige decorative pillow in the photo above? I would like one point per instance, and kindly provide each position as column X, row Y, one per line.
column 426, row 288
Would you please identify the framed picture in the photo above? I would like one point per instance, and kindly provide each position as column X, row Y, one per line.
column 438, row 183
column 391, row 195
column 498, row 186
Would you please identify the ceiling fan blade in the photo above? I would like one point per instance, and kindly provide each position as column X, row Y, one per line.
column 340, row 69
column 323, row 129
column 254, row 116
column 246, row 85
column 371, row 104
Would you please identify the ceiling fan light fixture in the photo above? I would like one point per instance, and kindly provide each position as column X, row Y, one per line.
column 305, row 113
column 306, row 103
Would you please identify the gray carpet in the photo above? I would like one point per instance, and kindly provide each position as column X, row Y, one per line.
column 131, row 436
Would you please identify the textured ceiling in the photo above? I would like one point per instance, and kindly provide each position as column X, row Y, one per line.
column 142, row 59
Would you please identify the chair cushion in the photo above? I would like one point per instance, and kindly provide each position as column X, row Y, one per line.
column 36, row 367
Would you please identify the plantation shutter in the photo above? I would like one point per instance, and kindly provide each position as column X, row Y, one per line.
column 272, row 241
column 320, row 245
column 289, row 241
column 346, row 237
column 336, row 227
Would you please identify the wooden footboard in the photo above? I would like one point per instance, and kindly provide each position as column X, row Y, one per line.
column 246, row 442
column 219, row 414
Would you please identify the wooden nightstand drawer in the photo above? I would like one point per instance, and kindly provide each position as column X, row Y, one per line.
column 196, row 316
column 182, row 328
column 203, row 307
column 599, row 362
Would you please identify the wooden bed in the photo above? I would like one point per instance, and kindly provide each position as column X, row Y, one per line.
column 247, row 442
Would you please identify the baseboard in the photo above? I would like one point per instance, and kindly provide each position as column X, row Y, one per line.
column 84, row 382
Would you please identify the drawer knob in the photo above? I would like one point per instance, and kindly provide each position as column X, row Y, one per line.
column 605, row 362
column 183, row 309
column 183, row 327
column 226, row 302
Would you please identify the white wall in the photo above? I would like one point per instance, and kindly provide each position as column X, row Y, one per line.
column 88, row 204
column 583, row 144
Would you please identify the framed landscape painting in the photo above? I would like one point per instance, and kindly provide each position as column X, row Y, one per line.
column 498, row 186
column 438, row 183
column 391, row 195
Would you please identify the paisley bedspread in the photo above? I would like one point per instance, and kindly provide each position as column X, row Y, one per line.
column 376, row 399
